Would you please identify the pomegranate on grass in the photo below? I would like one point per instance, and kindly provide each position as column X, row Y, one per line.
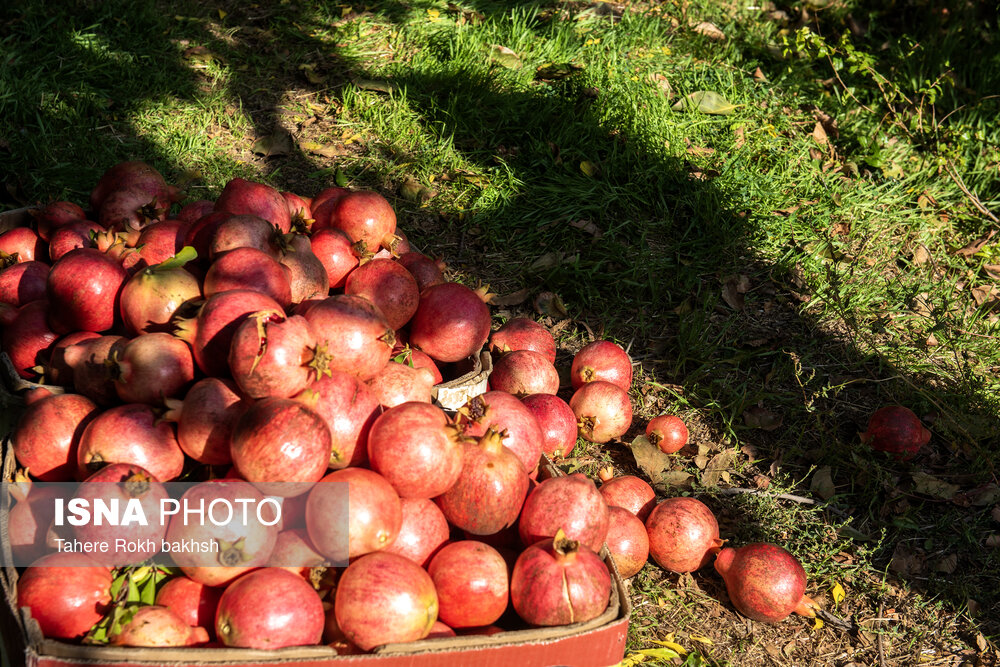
column 602, row 360
column 630, row 493
column 524, row 372
column 559, row 582
column 424, row 270
column 602, row 410
column 67, row 593
column 452, row 322
column 683, row 534
column 471, row 582
column 765, row 582
column 668, row 432
column 896, row 430
column 571, row 504
column 27, row 338
column 334, row 250
column 521, row 333
column 365, row 216
column 268, row 609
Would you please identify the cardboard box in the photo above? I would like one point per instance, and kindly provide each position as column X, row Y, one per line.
column 596, row 643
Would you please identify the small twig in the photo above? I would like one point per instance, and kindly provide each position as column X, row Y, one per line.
column 953, row 173
column 878, row 640
column 732, row 491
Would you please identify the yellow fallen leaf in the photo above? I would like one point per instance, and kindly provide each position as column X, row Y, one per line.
column 589, row 168
column 433, row 14
column 673, row 646
column 222, row 14
column 817, row 623
column 701, row 640
column 837, row 593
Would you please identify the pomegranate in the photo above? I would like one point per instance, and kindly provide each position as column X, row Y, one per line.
column 571, row 504
column 400, row 383
column 389, row 286
column 667, row 432
column 683, row 534
column 404, row 354
column 349, row 408
column 46, row 437
column 502, row 412
column 152, row 367
column 439, row 630
column 151, row 297
column 896, row 430
column 335, row 251
column 130, row 433
column 22, row 245
column 268, row 609
column 423, row 531
column 365, row 216
column 417, row 449
column 216, row 323
column 557, row 421
column 243, row 543
column 602, row 410
column 27, row 338
column 371, row 522
column 244, row 231
column 353, row 334
column 67, row 593
column 160, row 241
column 451, row 323
column 765, row 582
column 601, row 360
column 559, row 582
column 249, row 268
column 627, row 541
column 194, row 603
column 66, row 354
column 76, row 234
column 490, row 491
column 242, row 197
column 521, row 333
column 131, row 208
column 54, row 215
column 205, row 419
column 300, row 208
column 471, row 582
column 126, row 175
column 197, row 209
column 23, row 282
column 83, row 288
column 630, row 493
column 199, row 233
column 424, row 270
column 401, row 591
column 91, row 367
column 156, row 626
column 294, row 552
column 29, row 521
column 125, row 484
column 278, row 441
column 307, row 275
column 524, row 372
column 326, row 195
column 270, row 354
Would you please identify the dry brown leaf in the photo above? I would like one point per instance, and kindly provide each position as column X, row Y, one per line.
column 662, row 84
column 512, row 299
column 277, row 143
column 757, row 416
column 758, row 75
column 921, row 305
column 553, row 259
column 819, row 134
column 655, row 464
column 906, row 561
column 709, row 30
column 700, row 461
column 993, row 541
column 774, row 652
column 700, row 151
column 815, row 154
column 947, row 564
column 992, row 270
column 981, row 642
column 718, row 467
column 733, row 290
column 932, row 486
column 973, row 247
column 587, row 226
column 983, row 293
column 549, row 303
column 740, row 138
column 822, row 483
column 921, row 255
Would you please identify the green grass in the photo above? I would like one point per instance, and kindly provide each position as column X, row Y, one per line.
column 854, row 294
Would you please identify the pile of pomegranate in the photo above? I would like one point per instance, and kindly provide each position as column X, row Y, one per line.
column 266, row 338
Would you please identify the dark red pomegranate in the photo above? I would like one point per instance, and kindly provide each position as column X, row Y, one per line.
column 557, row 421
column 244, row 231
column 352, row 333
column 452, row 322
column 400, row 383
column 399, row 588
column 896, row 430
column 765, row 582
column 335, row 251
column 683, row 534
column 269, row 609
column 372, row 520
column 559, row 582
column 151, row 368
column 91, row 367
column 521, row 333
column 197, row 209
column 66, row 354
column 270, row 354
column 67, row 593
column 217, row 321
column 364, row 215
column 424, row 270
column 200, row 232
column 627, row 541
column 417, row 449
column 524, row 372
column 133, row 174
column 422, row 532
column 249, row 268
column 601, row 360
column 131, row 208
column 307, row 275
column 471, row 582
column 242, row 197
column 571, row 504
column 24, row 243
column 76, row 234
column 349, row 408
column 54, row 215
column 83, row 288
column 389, row 286
column 630, row 493
column 205, row 419
column 156, row 626
column 490, row 491
column 46, row 437
column 161, row 240
column 151, row 298
column 603, row 411
column 130, row 433
column 245, row 542
column 503, row 412
column 278, row 441
column 23, row 282
column 27, row 338
column 667, row 432
column 194, row 603
column 326, row 195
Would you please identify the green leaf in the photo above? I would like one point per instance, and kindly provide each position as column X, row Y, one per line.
column 340, row 178
column 183, row 256
column 705, row 101
column 378, row 86
column 147, row 593
column 133, row 591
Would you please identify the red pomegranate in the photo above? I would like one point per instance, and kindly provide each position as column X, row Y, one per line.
column 471, row 582
column 132, row 174
column 557, row 421
column 524, row 372
column 249, row 268
column 83, row 288
column 216, row 323
column 151, row 298
column 152, row 367
column 521, row 333
column 326, row 195
column 130, row 433
column 399, row 588
column 503, row 412
column 67, row 593
column 602, row 360
column 131, row 209
column 91, row 367
column 559, row 582
column 353, row 334
column 270, row 354
column 205, row 419
column 896, row 430
column 627, row 541
column 200, row 232
column 54, row 215
column 349, row 408
column 389, row 286
column 571, row 504
column 307, row 275
column 244, row 231
column 765, row 582
column 404, row 354
column 294, row 552
column 156, row 626
column 242, row 197
column 23, row 282
column 399, row 383
column 269, row 609
column 452, row 322
column 602, row 410
column 630, row 493
column 199, row 208
column 22, row 244
column 372, row 520
column 29, row 522
column 667, row 432
column 423, row 531
column 48, row 433
column 194, row 603
column 27, row 338
column 66, row 354
column 424, row 270
column 300, row 208
column 365, row 216
column 683, row 534
column 335, row 251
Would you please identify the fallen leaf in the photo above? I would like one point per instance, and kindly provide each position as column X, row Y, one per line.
column 740, row 138
column 981, row 642
column 992, row 270
column 549, row 303
column 757, row 416
column 993, row 541
column 662, row 84
column 555, row 71
column 512, row 299
column 655, row 464
column 551, row 260
column 378, row 86
column 505, row 57
column 837, row 593
column 983, row 293
column 921, row 305
column 587, row 226
column 277, row 143
column 415, row 191
column 669, row 642
column 733, row 290
column 819, row 134
column 309, row 71
column 326, row 150
column 920, row 254
column 589, row 168
column 973, row 247
column 433, row 15
column 700, row 151
column 818, row 623
column 947, row 564
column 720, row 464
column 199, row 56
column 906, row 561
column 759, row 75
column 932, row 486
column 822, row 483
column 709, row 30
column 705, row 101
column 773, row 651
